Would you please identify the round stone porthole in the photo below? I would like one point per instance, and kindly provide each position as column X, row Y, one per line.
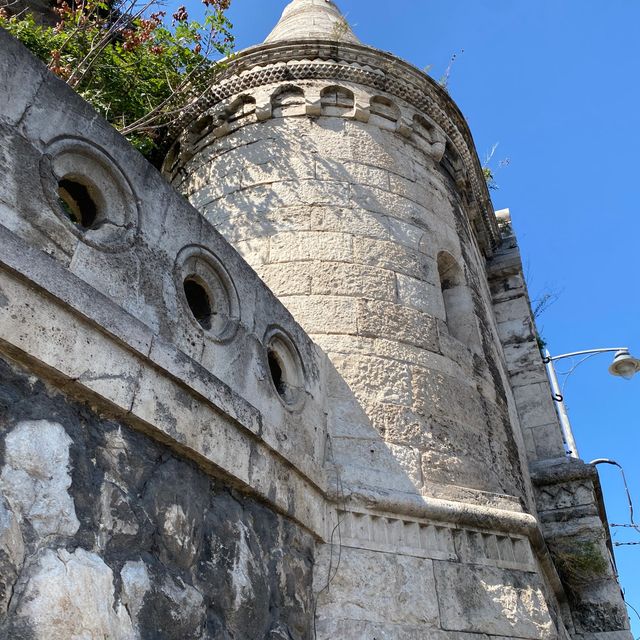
column 208, row 293
column 285, row 368
column 90, row 194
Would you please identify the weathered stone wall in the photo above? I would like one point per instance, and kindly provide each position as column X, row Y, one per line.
column 156, row 479
column 105, row 533
column 356, row 208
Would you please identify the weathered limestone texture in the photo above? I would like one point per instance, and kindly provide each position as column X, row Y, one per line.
column 179, row 458
column 154, row 549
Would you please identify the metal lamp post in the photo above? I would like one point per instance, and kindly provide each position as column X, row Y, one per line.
column 624, row 365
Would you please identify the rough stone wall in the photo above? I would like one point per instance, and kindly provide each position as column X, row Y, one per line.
column 568, row 496
column 350, row 189
column 347, row 200
column 106, row 533
column 516, row 328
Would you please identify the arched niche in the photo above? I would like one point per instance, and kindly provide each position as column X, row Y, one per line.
column 384, row 113
column 458, row 303
column 336, row 101
column 288, row 101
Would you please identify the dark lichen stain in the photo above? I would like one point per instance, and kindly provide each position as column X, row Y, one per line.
column 188, row 527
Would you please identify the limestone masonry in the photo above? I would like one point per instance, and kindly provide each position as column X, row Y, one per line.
column 309, row 404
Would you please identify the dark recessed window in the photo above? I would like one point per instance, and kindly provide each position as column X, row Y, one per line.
column 77, row 203
column 199, row 302
column 276, row 373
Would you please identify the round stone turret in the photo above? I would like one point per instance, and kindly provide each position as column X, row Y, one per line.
column 348, row 179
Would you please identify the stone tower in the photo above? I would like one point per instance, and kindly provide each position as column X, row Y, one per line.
column 350, row 182
column 363, row 447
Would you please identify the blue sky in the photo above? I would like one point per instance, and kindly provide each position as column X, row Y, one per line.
column 555, row 84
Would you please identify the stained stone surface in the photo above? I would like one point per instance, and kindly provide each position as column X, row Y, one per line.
column 495, row 602
column 109, row 535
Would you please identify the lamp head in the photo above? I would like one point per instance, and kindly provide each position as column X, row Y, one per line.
column 624, row 365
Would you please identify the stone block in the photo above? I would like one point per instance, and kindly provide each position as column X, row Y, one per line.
column 22, row 76
column 358, row 281
column 420, row 295
column 377, row 379
column 58, row 338
column 324, row 314
column 292, row 279
column 352, row 172
column 71, row 595
column 379, row 588
column 548, row 441
column 311, row 245
column 516, row 308
column 385, row 320
column 355, row 221
column 385, row 202
column 409, row 234
column 438, row 395
column 518, row 330
column 255, row 252
column 494, row 601
column 389, row 255
column 37, row 450
column 535, row 405
column 410, row 461
column 369, row 462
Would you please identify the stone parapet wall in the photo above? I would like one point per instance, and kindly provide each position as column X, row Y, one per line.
column 157, row 479
column 517, row 331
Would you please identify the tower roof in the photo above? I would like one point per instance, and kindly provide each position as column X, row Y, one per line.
column 312, row 20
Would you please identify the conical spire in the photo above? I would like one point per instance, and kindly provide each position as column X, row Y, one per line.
column 312, row 20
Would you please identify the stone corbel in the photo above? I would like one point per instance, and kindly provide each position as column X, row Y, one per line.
column 405, row 126
column 263, row 106
column 438, row 144
column 361, row 106
column 312, row 102
column 221, row 131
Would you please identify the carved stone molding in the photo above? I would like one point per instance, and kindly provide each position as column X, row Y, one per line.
column 269, row 64
column 435, row 540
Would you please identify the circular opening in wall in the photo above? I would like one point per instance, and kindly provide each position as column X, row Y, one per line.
column 285, row 369
column 209, row 293
column 77, row 203
column 90, row 194
column 199, row 302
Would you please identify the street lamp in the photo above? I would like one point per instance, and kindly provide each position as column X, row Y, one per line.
column 624, row 365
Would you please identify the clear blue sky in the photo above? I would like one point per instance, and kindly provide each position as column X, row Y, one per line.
column 555, row 83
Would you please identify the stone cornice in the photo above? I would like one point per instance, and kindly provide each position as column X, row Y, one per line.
column 311, row 60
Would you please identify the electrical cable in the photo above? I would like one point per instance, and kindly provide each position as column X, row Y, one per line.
column 632, row 521
column 336, row 529
column 567, row 374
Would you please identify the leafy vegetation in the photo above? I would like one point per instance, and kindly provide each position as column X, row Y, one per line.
column 139, row 67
